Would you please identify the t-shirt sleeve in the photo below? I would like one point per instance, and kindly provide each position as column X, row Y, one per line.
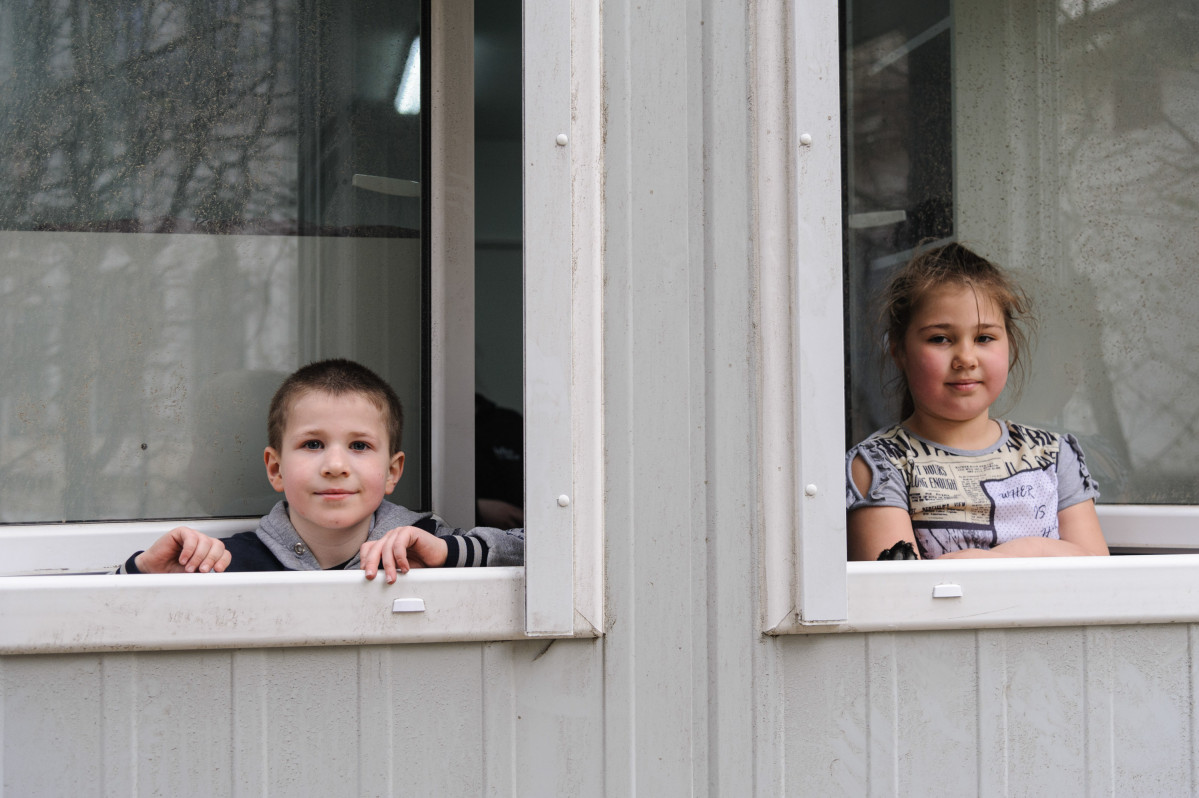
column 887, row 487
column 1074, row 481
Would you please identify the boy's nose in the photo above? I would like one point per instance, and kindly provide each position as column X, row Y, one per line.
column 333, row 464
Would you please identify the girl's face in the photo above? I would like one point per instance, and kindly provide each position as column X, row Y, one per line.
column 955, row 357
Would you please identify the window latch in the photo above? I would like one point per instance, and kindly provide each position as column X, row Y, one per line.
column 408, row 605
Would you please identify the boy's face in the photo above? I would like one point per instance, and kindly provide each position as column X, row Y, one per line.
column 333, row 464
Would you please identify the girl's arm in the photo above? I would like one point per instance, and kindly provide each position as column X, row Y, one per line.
column 1078, row 526
column 874, row 529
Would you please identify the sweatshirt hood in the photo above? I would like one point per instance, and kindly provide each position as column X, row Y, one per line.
column 277, row 534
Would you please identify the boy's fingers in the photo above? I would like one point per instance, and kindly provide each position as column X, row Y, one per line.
column 389, row 563
column 401, row 551
column 214, row 555
column 199, row 558
column 390, row 552
column 368, row 557
column 188, row 542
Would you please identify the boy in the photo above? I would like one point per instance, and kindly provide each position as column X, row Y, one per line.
column 334, row 429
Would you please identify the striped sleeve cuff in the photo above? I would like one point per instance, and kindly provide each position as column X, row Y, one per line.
column 130, row 565
column 464, row 552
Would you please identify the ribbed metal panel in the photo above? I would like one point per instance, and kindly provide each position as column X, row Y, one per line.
column 1065, row 711
column 470, row 719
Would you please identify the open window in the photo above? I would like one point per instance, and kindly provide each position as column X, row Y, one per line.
column 1058, row 138
column 243, row 191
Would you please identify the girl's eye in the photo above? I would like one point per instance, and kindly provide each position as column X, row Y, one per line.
column 359, row 446
column 986, row 339
column 938, row 339
column 311, row 445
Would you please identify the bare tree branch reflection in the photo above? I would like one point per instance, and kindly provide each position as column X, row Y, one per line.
column 157, row 117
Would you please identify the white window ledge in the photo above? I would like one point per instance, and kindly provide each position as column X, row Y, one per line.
column 1049, row 591
column 93, row 547
column 1149, row 528
column 56, row 614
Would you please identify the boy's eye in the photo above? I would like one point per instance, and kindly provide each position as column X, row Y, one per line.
column 359, row 446
column 311, row 445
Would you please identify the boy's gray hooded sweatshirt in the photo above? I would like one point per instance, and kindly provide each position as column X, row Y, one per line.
column 478, row 546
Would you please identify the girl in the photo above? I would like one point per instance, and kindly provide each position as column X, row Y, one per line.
column 949, row 479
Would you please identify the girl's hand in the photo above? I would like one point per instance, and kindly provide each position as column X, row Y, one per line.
column 402, row 549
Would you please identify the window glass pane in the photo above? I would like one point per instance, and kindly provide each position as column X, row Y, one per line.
column 196, row 197
column 1073, row 134
column 899, row 164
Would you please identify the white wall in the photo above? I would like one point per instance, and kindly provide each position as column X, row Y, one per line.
column 683, row 695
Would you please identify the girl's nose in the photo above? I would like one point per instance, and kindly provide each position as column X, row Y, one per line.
column 964, row 357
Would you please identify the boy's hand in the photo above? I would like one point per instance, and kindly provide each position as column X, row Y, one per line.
column 184, row 550
column 402, row 548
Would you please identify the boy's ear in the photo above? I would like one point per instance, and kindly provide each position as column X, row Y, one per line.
column 274, row 470
column 395, row 470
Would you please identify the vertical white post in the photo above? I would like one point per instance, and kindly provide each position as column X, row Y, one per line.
column 815, row 141
column 548, row 274
column 798, row 232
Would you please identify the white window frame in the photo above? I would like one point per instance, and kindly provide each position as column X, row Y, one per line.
column 559, row 590
column 809, row 585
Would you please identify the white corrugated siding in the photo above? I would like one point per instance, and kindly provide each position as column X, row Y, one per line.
column 502, row 719
column 1063, row 711
column 683, row 695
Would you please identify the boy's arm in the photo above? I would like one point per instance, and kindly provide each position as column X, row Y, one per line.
column 182, row 550
column 482, row 545
column 435, row 544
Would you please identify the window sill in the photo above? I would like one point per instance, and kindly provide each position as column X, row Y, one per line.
column 1150, row 528
column 57, row 614
column 60, row 595
column 1050, row 591
column 94, row 547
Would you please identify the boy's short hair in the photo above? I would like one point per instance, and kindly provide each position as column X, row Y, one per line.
column 336, row 377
